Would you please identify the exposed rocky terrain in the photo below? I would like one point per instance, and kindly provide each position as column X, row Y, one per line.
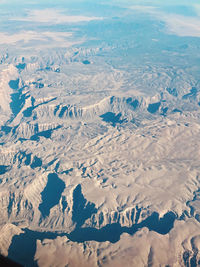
column 99, row 154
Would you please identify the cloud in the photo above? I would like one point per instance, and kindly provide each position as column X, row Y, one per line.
column 197, row 9
column 53, row 17
column 47, row 39
column 179, row 25
column 143, row 8
column 182, row 25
